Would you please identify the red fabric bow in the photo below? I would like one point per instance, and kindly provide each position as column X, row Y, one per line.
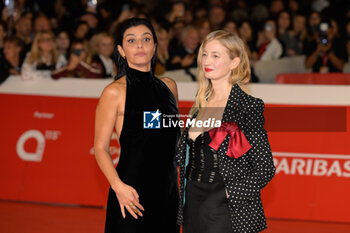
column 238, row 144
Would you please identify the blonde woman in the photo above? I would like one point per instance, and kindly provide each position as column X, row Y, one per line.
column 162, row 50
column 42, row 58
column 223, row 169
column 103, row 44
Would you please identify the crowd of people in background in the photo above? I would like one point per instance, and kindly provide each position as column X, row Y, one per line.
column 61, row 38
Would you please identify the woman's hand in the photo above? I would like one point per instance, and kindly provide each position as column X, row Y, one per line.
column 14, row 71
column 129, row 199
column 188, row 60
column 326, row 48
column 73, row 62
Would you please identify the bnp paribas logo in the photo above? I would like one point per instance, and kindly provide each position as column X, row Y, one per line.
column 151, row 119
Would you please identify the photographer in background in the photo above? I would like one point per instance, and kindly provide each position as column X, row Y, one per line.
column 326, row 52
column 271, row 48
column 79, row 64
column 177, row 12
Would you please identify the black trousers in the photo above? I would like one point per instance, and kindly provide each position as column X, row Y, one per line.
column 206, row 209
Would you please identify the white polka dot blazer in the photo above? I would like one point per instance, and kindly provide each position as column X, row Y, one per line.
column 245, row 176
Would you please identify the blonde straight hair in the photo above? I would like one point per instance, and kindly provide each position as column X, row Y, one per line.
column 163, row 56
column 35, row 53
column 241, row 75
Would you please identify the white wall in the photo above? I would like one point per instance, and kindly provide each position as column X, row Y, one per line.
column 270, row 93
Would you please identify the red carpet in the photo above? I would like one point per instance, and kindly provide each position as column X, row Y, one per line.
column 19, row 217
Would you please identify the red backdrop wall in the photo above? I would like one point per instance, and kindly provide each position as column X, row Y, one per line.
column 46, row 155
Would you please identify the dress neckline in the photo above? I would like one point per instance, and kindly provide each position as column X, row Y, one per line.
column 198, row 137
column 143, row 76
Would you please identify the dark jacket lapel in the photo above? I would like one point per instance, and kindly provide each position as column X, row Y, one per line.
column 233, row 106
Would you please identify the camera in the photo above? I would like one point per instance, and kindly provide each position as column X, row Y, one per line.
column 77, row 52
column 92, row 3
column 269, row 27
column 125, row 7
column 322, row 36
column 10, row 7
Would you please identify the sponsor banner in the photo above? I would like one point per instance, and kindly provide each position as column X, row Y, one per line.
column 309, row 186
column 311, row 153
column 46, row 155
column 46, row 152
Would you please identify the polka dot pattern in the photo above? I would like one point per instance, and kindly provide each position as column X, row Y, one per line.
column 245, row 176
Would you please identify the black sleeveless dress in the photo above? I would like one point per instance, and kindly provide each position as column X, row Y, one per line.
column 146, row 159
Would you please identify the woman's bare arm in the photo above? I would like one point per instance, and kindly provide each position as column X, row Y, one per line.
column 105, row 120
column 110, row 104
